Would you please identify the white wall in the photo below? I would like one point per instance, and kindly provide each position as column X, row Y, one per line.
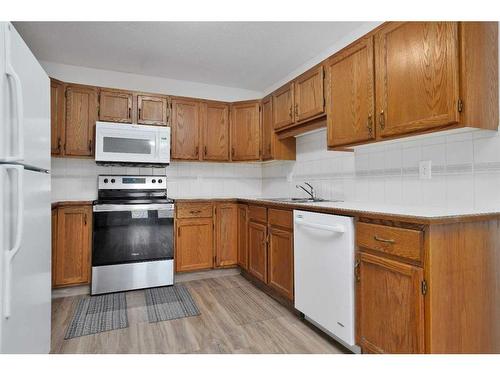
column 128, row 81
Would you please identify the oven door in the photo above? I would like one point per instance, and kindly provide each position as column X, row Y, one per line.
column 132, row 143
column 128, row 233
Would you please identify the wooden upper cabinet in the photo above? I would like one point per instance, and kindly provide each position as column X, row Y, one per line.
column 185, row 129
column 226, row 251
column 283, row 103
column 257, row 250
column 417, row 76
column 81, row 115
column 391, row 306
column 215, row 131
column 245, row 131
column 267, row 128
column 194, row 244
column 72, row 251
column 350, row 95
column 152, row 110
column 57, row 107
column 243, row 236
column 280, row 261
column 309, row 94
column 115, row 106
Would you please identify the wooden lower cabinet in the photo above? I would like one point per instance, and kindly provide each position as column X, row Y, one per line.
column 71, row 247
column 280, row 261
column 391, row 310
column 226, row 232
column 257, row 250
column 194, row 244
column 243, row 236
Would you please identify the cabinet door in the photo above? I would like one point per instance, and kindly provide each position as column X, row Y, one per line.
column 115, row 106
column 215, row 125
column 309, row 94
column 226, row 219
column 245, row 131
column 73, row 248
column 283, row 114
column 185, row 129
column 243, row 236
column 416, row 76
column 194, row 244
column 267, row 128
column 257, row 250
column 152, row 110
column 56, row 117
column 350, row 95
column 391, row 306
column 81, row 115
column 280, row 261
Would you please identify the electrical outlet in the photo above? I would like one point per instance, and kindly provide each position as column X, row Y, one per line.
column 425, row 169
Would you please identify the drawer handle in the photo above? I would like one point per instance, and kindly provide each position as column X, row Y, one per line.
column 195, row 211
column 376, row 238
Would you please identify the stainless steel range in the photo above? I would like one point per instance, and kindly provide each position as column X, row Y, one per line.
column 133, row 244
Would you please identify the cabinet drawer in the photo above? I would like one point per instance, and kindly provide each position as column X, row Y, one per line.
column 280, row 218
column 190, row 210
column 405, row 243
column 257, row 213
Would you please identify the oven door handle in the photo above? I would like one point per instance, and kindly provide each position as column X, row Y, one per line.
column 133, row 207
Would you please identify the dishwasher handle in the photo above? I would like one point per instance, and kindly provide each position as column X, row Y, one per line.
column 330, row 228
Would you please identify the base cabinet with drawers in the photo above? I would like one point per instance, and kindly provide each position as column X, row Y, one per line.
column 428, row 287
column 206, row 235
column 71, row 244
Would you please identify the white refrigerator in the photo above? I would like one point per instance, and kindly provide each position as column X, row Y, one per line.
column 25, row 228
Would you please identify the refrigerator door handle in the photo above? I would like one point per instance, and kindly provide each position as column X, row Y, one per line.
column 11, row 73
column 10, row 254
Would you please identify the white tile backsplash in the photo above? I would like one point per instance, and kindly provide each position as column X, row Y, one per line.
column 465, row 167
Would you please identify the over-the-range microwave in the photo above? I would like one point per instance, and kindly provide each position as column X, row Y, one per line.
column 136, row 144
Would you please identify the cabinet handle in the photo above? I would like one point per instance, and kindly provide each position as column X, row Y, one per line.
column 296, row 111
column 290, row 112
column 59, row 144
column 205, row 150
column 232, row 152
column 376, row 238
column 90, row 145
column 85, row 219
column 129, row 112
column 382, row 119
column 195, row 211
column 139, row 113
column 356, row 271
column 197, row 151
column 369, row 124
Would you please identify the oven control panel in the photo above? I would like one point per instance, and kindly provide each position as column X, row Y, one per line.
column 108, row 182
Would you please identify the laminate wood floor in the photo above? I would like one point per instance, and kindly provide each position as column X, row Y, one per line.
column 236, row 317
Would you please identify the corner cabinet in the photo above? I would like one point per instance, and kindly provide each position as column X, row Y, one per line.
column 226, row 232
column 274, row 148
column 245, row 131
column 71, row 244
column 243, row 236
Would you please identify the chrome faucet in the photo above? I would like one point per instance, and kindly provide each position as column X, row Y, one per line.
column 309, row 192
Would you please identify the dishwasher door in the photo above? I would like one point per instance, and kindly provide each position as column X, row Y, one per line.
column 324, row 272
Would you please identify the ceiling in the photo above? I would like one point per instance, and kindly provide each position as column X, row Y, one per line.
column 247, row 55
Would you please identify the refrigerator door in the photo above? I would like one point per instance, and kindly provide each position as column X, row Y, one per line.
column 25, row 246
column 25, row 104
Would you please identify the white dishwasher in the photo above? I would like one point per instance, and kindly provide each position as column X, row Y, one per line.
column 324, row 272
